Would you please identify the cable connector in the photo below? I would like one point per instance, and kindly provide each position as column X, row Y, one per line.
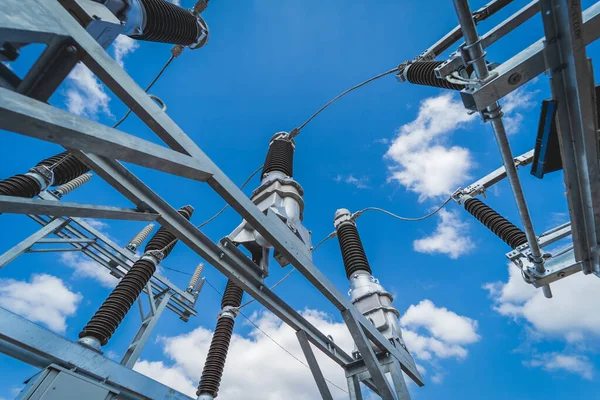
column 200, row 6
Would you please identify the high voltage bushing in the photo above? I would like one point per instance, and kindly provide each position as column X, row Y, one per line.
column 72, row 185
column 280, row 157
column 423, row 73
column 366, row 293
column 55, row 170
column 195, row 277
column 160, row 21
column 105, row 322
column 500, row 226
column 219, row 345
column 139, row 238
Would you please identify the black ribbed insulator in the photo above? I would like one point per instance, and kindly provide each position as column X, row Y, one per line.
column 215, row 360
column 423, row 73
column 163, row 237
column 20, row 186
column 66, row 167
column 168, row 23
column 352, row 249
column 500, row 226
column 280, row 157
column 106, row 320
column 232, row 296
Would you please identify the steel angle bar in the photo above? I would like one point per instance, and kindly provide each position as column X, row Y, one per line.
column 573, row 87
column 526, row 65
column 20, row 248
column 368, row 355
column 26, row 21
column 508, row 25
column 21, row 114
column 39, row 347
column 314, row 366
column 22, row 205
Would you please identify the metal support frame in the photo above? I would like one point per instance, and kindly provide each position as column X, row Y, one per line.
column 314, row 366
column 157, row 307
column 37, row 346
column 99, row 147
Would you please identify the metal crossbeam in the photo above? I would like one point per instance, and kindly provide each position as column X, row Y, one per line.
column 37, row 346
column 21, row 205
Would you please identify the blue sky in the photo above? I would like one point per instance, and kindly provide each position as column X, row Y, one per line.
column 474, row 327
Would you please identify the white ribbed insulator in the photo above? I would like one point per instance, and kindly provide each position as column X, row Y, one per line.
column 73, row 184
column 140, row 237
column 195, row 277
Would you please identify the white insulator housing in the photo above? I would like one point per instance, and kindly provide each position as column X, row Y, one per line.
column 195, row 277
column 139, row 238
column 73, row 184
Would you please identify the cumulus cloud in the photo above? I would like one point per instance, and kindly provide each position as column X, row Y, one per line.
column 433, row 333
column 571, row 314
column 513, row 105
column 44, row 299
column 86, row 95
column 554, row 362
column 123, row 46
column 84, row 267
column 422, row 160
column 256, row 367
column 450, row 237
column 359, row 183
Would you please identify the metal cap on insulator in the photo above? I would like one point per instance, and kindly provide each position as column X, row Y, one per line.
column 353, row 253
column 280, row 157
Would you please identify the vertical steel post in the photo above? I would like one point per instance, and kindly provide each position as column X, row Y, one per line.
column 474, row 49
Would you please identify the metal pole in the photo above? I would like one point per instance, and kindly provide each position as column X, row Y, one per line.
column 474, row 49
column 314, row 366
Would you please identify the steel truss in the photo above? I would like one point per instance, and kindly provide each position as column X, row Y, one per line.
column 22, row 110
column 100, row 147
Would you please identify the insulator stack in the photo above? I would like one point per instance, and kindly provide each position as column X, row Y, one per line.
column 423, row 73
column 217, row 353
column 500, row 226
column 72, row 184
column 64, row 169
column 280, row 157
column 195, row 277
column 164, row 240
column 139, row 238
column 110, row 314
column 168, row 23
column 352, row 249
column 65, row 166
column 20, row 186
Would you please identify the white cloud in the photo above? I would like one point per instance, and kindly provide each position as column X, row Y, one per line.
column 553, row 362
column 433, row 333
column 86, row 95
column 84, row 267
column 571, row 314
column 423, row 162
column 176, row 2
column 512, row 104
column 442, row 323
column 123, row 46
column 45, row 299
column 359, row 183
column 450, row 237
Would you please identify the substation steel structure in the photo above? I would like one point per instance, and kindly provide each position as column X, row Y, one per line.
column 75, row 368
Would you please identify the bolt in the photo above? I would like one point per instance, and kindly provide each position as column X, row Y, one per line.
column 221, row 255
column 514, row 78
column 562, row 274
column 72, row 49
